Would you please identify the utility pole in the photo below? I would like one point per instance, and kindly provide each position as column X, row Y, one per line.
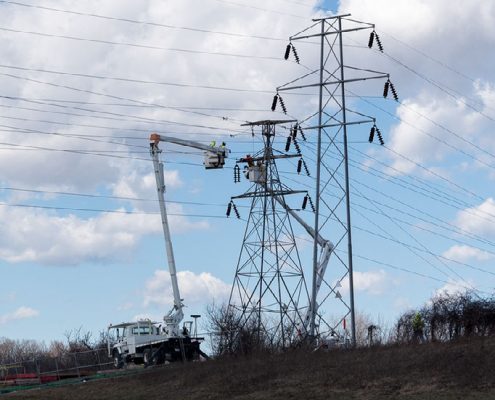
column 332, row 198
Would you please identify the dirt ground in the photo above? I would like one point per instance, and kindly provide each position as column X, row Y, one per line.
column 463, row 370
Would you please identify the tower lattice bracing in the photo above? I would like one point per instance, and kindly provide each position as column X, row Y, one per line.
column 332, row 291
column 269, row 293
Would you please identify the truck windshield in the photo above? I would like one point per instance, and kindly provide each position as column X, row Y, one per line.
column 141, row 330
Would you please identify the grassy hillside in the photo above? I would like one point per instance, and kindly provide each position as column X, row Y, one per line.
column 462, row 370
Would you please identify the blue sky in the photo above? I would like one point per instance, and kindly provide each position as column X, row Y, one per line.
column 423, row 205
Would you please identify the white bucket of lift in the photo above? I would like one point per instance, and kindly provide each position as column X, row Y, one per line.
column 213, row 160
column 257, row 174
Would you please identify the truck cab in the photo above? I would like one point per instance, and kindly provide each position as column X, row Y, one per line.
column 127, row 341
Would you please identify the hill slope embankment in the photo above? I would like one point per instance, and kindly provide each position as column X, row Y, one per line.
column 461, row 370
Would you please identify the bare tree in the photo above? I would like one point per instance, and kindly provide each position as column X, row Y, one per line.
column 449, row 317
column 232, row 336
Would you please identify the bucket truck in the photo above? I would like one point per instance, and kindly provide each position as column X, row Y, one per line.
column 146, row 342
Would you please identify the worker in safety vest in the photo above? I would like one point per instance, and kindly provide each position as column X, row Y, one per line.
column 418, row 326
column 249, row 160
column 223, row 147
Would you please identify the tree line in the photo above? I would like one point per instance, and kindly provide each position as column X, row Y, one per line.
column 445, row 317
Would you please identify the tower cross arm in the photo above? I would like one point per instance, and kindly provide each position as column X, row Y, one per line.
column 335, row 32
column 336, row 82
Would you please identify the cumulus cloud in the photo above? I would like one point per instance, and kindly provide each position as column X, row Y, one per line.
column 202, row 288
column 417, row 137
column 466, row 253
column 21, row 313
column 32, row 235
column 402, row 303
column 81, row 140
column 479, row 219
column 143, row 186
column 372, row 282
column 454, row 286
column 428, row 122
column 435, row 101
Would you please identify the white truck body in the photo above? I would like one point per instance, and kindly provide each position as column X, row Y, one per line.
column 145, row 342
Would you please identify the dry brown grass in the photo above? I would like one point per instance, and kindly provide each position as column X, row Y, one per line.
column 462, row 370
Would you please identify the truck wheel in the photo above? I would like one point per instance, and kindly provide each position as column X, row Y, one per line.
column 160, row 358
column 117, row 360
column 147, row 360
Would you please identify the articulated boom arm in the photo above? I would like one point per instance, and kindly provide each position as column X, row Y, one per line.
column 176, row 314
column 214, row 156
column 326, row 251
column 187, row 143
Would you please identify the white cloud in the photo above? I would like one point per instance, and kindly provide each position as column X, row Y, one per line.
column 21, row 313
column 31, row 235
column 118, row 131
column 425, row 25
column 479, row 219
column 452, row 287
column 466, row 253
column 402, row 303
column 428, row 122
column 125, row 306
column 202, row 288
column 408, row 138
column 372, row 282
column 144, row 186
column 144, row 316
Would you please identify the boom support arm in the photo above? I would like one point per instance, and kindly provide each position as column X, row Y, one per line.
column 176, row 314
column 327, row 248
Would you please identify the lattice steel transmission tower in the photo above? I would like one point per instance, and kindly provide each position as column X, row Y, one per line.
column 332, row 121
column 269, row 291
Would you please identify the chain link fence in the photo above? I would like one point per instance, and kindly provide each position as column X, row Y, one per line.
column 47, row 369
